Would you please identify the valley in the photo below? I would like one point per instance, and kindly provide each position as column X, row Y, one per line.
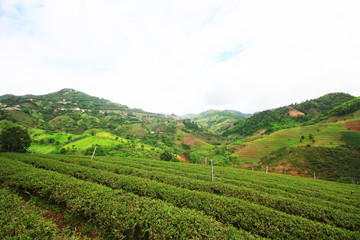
column 284, row 140
column 99, row 170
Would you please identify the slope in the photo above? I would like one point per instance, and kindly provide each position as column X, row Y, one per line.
column 215, row 120
column 308, row 112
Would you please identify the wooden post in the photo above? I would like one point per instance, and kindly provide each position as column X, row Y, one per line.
column 267, row 169
column 212, row 171
column 314, row 176
column 93, row 154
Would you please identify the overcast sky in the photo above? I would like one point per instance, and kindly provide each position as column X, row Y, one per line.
column 182, row 56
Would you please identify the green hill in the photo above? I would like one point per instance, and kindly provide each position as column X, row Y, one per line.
column 302, row 150
column 215, row 120
column 306, row 113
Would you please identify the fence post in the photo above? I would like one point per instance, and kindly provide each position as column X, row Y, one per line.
column 93, row 154
column 212, row 171
column 267, row 169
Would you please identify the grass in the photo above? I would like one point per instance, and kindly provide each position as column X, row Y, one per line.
column 324, row 135
column 42, row 145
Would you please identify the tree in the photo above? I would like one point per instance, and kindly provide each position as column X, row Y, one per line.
column 166, row 156
column 14, row 139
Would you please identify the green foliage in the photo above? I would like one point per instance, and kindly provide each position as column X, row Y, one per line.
column 346, row 108
column 190, row 125
column 329, row 163
column 352, row 139
column 267, row 205
column 21, row 220
column 277, row 119
column 119, row 213
column 100, row 151
column 323, row 104
column 14, row 139
column 214, row 120
column 166, row 156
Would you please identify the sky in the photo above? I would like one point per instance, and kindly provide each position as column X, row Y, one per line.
column 182, row 56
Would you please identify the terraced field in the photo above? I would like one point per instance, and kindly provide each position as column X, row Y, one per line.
column 324, row 135
column 112, row 198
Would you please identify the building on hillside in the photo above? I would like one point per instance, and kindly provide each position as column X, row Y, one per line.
column 155, row 127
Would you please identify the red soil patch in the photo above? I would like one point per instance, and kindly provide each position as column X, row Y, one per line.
column 61, row 222
column 238, row 148
column 189, row 140
column 260, row 131
column 353, row 126
column 288, row 168
column 247, row 165
column 337, row 119
column 294, row 113
column 180, row 124
column 181, row 158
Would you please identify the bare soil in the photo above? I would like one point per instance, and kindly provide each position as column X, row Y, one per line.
column 62, row 223
column 260, row 131
column 337, row 119
column 181, row 158
column 294, row 113
column 247, row 165
column 189, row 140
column 353, row 126
column 180, row 124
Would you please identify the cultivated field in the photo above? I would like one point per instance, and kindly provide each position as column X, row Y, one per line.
column 147, row 199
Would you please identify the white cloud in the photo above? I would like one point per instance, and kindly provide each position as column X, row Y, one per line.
column 182, row 56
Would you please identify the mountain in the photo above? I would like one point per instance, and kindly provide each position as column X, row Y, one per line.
column 294, row 115
column 216, row 120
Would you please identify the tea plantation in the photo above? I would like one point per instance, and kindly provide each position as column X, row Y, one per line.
column 64, row 196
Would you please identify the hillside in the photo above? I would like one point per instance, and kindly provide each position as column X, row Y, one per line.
column 72, row 122
column 304, row 150
column 294, row 115
column 215, row 120
column 127, row 198
column 294, row 138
